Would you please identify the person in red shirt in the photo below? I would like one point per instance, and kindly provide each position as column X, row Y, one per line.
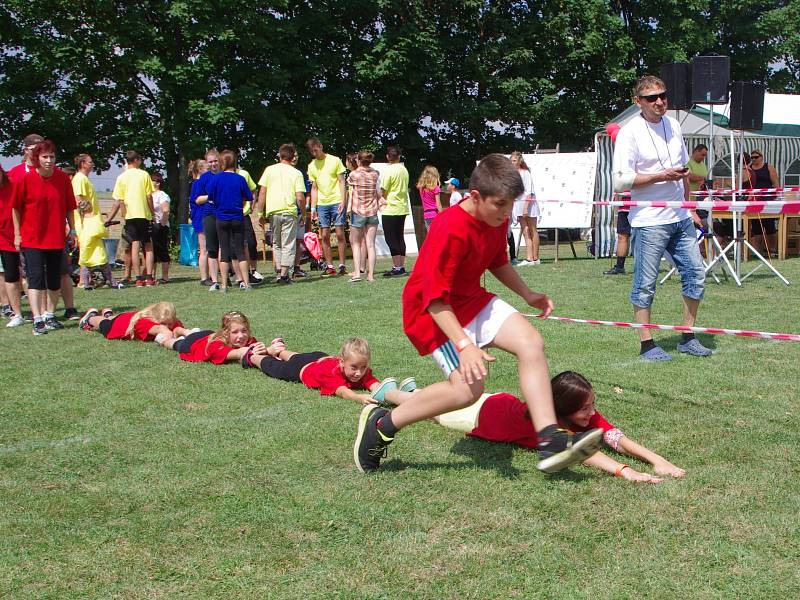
column 43, row 202
column 9, row 254
column 229, row 343
column 159, row 319
column 504, row 418
column 28, row 145
column 331, row 375
column 447, row 314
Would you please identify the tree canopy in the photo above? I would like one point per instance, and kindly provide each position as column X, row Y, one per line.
column 448, row 81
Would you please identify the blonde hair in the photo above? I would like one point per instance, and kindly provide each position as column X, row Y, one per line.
column 162, row 313
column 429, row 178
column 355, row 345
column 517, row 154
column 230, row 318
column 194, row 167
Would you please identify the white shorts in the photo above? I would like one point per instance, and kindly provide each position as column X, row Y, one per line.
column 463, row 419
column 481, row 330
column 527, row 207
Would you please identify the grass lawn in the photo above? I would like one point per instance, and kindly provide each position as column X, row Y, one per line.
column 127, row 473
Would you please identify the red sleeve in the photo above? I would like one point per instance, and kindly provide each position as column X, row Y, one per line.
column 330, row 377
column 440, row 272
column 18, row 193
column 367, row 380
column 177, row 324
column 598, row 420
column 142, row 328
column 218, row 352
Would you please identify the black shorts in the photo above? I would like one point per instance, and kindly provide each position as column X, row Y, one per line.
column 185, row 345
column 10, row 260
column 105, row 326
column 623, row 224
column 161, row 243
column 43, row 268
column 139, row 230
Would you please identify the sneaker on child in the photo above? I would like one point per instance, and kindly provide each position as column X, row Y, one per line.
column 564, row 448
column 370, row 445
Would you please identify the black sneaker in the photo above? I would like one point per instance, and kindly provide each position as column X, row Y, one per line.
column 565, row 448
column 370, row 446
column 615, row 270
column 52, row 323
column 39, row 328
column 6, row 311
column 395, row 272
column 284, row 280
column 71, row 314
column 299, row 273
column 342, row 270
column 84, row 322
column 246, row 361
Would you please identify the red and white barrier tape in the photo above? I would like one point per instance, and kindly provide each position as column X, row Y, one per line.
column 776, row 207
column 785, row 337
column 722, row 192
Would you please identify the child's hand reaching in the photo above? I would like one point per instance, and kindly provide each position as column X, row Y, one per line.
column 275, row 348
column 637, row 477
column 667, row 469
column 471, row 364
column 542, row 302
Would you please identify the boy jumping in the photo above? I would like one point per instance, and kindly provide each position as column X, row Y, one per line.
column 447, row 314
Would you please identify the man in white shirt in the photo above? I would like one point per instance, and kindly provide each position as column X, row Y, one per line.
column 649, row 159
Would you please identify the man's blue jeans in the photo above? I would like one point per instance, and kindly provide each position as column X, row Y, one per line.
column 680, row 240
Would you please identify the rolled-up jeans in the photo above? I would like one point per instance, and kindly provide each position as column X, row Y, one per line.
column 649, row 245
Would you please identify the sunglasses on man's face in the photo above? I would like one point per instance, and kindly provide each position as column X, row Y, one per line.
column 653, row 97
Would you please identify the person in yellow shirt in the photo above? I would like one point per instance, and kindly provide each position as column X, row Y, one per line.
column 134, row 189
column 89, row 225
column 395, row 205
column 328, row 202
column 282, row 195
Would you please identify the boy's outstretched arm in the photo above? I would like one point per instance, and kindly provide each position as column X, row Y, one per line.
column 508, row 276
column 471, row 364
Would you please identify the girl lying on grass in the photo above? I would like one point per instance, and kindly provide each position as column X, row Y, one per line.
column 504, row 418
column 144, row 325
column 332, row 375
column 229, row 343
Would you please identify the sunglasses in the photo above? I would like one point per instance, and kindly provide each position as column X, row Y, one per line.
column 653, row 97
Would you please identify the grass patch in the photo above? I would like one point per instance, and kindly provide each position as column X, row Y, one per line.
column 127, row 473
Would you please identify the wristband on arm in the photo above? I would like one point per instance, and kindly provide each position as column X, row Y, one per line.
column 620, row 469
column 463, row 343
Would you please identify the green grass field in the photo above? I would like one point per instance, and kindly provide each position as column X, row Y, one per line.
column 126, row 473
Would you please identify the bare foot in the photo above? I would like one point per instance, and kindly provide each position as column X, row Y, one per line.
column 666, row 468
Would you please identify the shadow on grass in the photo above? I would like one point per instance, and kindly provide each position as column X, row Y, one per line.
column 670, row 343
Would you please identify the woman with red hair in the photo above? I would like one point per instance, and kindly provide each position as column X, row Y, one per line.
column 43, row 203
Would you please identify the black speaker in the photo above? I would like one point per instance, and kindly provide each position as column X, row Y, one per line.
column 710, row 78
column 678, row 78
column 747, row 106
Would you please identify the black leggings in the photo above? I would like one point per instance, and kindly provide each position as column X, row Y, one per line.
column 393, row 233
column 231, row 240
column 43, row 268
column 105, row 325
column 212, row 241
column 512, row 246
column 250, row 238
column 289, row 370
column 185, row 345
column 10, row 260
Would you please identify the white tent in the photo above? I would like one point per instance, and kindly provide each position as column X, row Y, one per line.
column 779, row 139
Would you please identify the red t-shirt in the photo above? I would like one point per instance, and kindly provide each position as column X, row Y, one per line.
column 326, row 376
column 120, row 325
column 6, row 220
column 18, row 172
column 216, row 352
column 503, row 418
column 458, row 250
column 43, row 204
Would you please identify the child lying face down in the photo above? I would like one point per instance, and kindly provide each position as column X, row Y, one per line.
column 144, row 325
column 343, row 375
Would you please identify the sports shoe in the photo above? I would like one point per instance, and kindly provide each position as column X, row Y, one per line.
column 695, row 348
column 71, row 314
column 379, row 395
column 243, row 285
column 246, row 361
column 395, row 272
column 6, row 311
column 84, row 322
column 52, row 323
column 88, row 288
column 329, row 272
column 656, row 354
column 565, row 448
column 149, row 282
column 16, row 321
column 256, row 277
column 342, row 270
column 140, row 283
column 207, row 281
column 409, row 384
column 535, row 262
column 107, row 313
column 116, row 286
column 39, row 328
column 214, row 287
column 286, row 280
column 615, row 270
column 299, row 273
column 370, row 445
